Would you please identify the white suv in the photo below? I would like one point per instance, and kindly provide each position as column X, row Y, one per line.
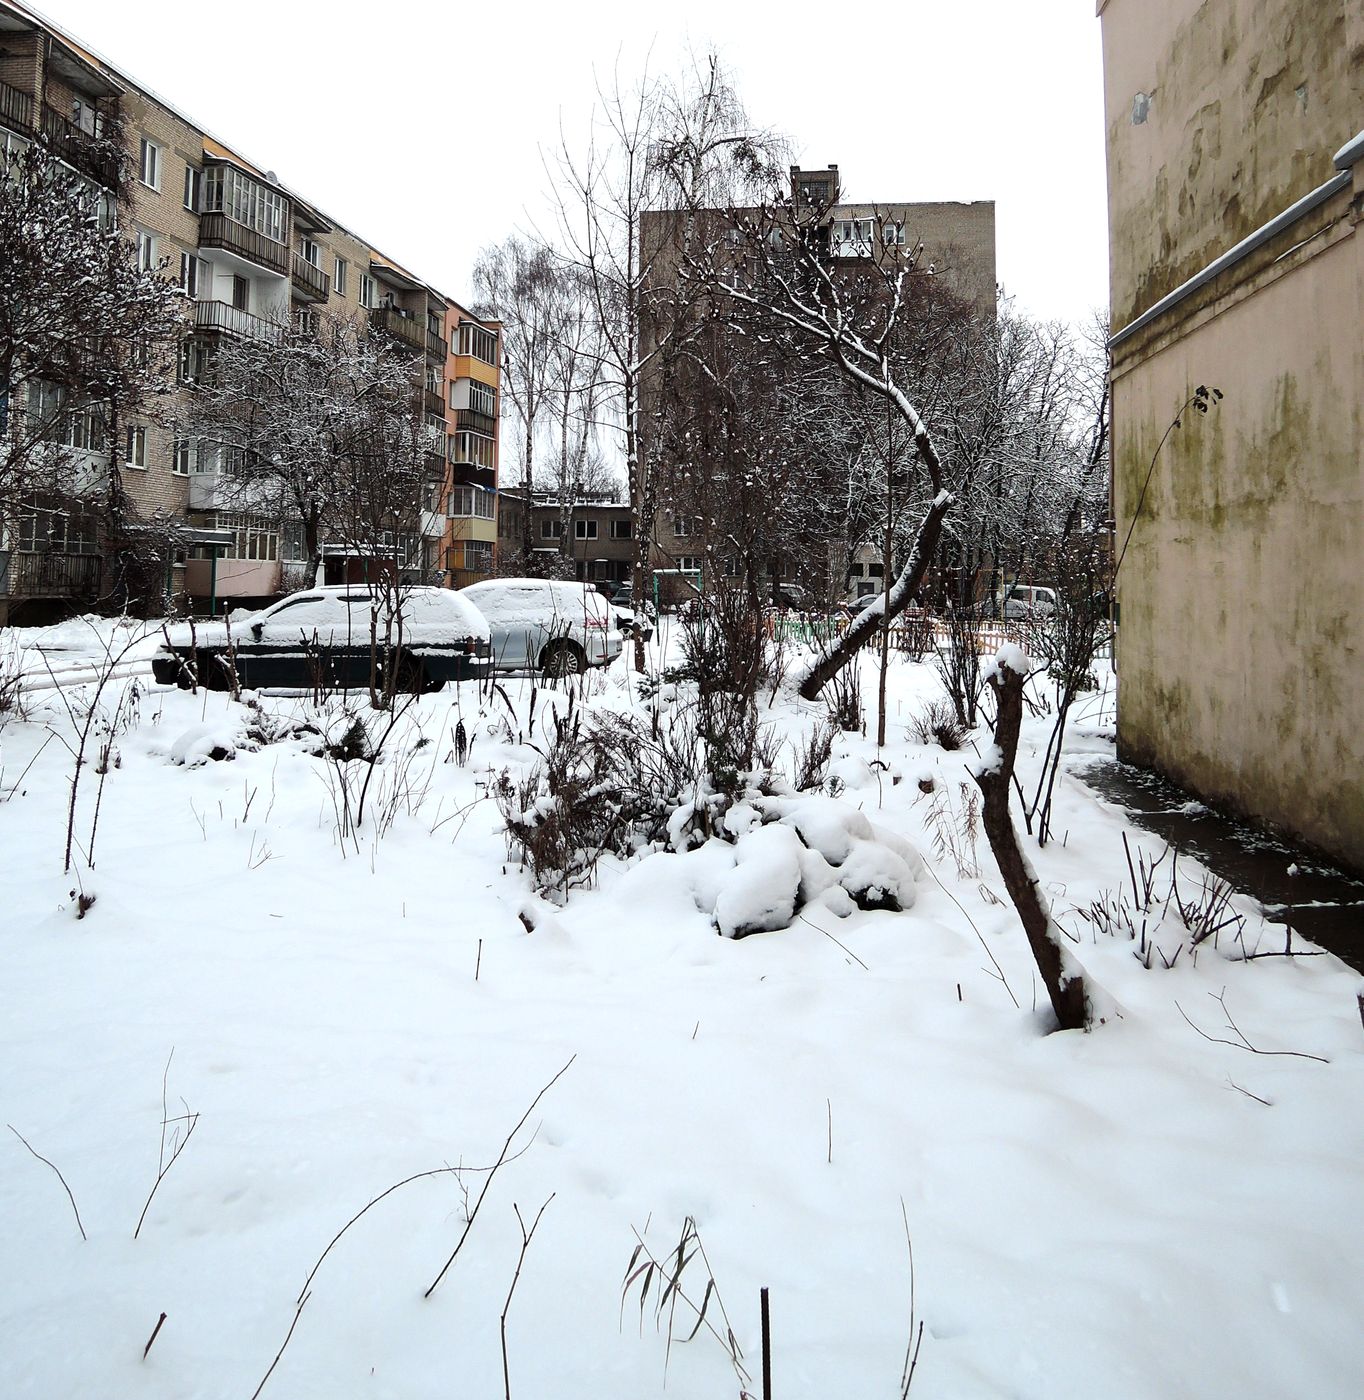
column 1023, row 600
column 541, row 624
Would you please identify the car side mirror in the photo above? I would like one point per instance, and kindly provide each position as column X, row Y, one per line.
column 257, row 628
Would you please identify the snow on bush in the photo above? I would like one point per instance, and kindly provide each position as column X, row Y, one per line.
column 199, row 743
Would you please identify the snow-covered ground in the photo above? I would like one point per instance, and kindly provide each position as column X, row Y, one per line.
column 1136, row 1212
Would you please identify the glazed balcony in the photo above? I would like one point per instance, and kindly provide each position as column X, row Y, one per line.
column 219, row 231
column 309, row 283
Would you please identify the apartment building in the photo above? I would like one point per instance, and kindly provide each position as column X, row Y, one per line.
column 1235, row 189
column 254, row 257
column 953, row 250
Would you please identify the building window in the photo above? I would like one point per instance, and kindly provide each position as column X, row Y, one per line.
column 622, row 530
column 62, row 527
column 478, row 556
column 339, row 279
column 366, row 290
column 689, row 564
column 147, row 258
column 193, row 180
column 241, row 293
column 683, row 526
column 584, row 529
column 893, row 235
column 312, row 254
column 184, row 456
column 191, row 362
column 472, row 502
column 196, row 276
column 476, row 341
column 551, row 529
column 853, row 238
column 149, row 168
column 135, row 448
column 483, row 399
column 86, row 117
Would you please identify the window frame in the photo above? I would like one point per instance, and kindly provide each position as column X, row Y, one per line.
column 155, row 151
column 339, row 276
column 135, row 447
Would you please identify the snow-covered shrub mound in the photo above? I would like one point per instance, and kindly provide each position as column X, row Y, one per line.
column 780, row 854
column 199, row 743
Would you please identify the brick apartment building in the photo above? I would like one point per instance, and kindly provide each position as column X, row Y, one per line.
column 955, row 240
column 249, row 252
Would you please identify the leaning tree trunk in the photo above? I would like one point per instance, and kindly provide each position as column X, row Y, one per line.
column 885, row 607
column 1062, row 977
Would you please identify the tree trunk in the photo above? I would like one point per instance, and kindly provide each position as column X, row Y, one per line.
column 1061, row 976
column 885, row 607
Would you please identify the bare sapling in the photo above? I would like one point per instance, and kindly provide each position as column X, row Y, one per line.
column 1061, row 975
column 526, row 1237
column 182, row 1127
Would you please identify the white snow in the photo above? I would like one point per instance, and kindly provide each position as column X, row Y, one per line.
column 1142, row 1212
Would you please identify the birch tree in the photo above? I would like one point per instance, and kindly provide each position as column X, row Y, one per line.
column 679, row 146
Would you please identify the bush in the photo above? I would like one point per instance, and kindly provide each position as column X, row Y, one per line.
column 939, row 725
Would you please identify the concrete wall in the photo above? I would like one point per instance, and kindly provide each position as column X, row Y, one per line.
column 1241, row 638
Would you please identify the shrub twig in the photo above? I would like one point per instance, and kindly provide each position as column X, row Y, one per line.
column 56, row 1169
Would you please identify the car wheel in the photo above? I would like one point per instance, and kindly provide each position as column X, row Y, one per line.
column 564, row 659
column 411, row 677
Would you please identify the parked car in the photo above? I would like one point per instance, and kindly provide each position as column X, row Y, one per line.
column 545, row 625
column 322, row 636
column 1024, row 600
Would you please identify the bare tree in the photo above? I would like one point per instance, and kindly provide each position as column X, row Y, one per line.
column 856, row 322
column 523, row 284
column 682, row 146
column 295, row 423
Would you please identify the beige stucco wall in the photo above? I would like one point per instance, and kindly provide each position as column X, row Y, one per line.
column 1241, row 645
column 1246, row 102
column 1241, row 638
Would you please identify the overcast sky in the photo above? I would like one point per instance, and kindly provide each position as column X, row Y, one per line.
column 420, row 123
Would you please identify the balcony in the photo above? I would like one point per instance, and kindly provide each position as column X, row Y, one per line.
column 436, row 347
column 220, row 231
column 472, row 421
column 404, row 328
column 46, row 575
column 16, row 109
column 219, row 316
column 88, row 154
column 434, row 403
column 309, row 282
column 434, row 466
